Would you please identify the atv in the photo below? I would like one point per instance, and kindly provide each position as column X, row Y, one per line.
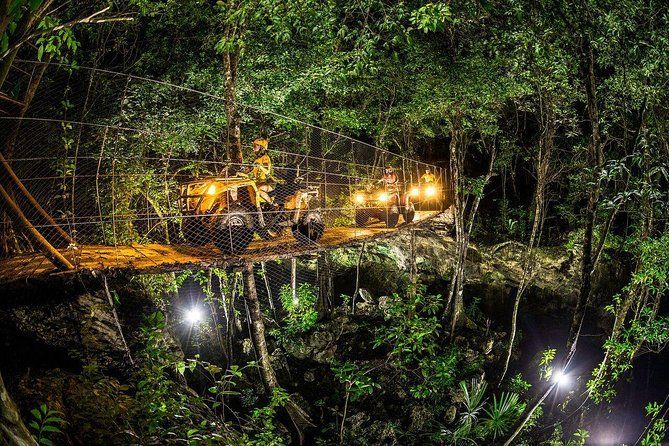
column 229, row 211
column 382, row 204
column 426, row 196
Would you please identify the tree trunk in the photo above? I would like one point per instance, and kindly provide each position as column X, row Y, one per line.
column 4, row 16
column 325, row 286
column 49, row 251
column 596, row 161
column 456, row 161
column 542, row 168
column 27, row 22
column 12, row 430
column 299, row 417
column 232, row 136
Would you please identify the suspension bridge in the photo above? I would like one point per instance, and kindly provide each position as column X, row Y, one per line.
column 97, row 175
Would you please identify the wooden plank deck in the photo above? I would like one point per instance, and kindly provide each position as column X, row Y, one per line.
column 154, row 258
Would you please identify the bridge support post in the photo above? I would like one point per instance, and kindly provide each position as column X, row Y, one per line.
column 299, row 417
column 47, row 249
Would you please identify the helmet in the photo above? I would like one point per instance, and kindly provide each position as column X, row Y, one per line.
column 427, row 170
column 389, row 169
column 260, row 142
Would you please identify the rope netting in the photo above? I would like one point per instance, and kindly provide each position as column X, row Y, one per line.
column 120, row 171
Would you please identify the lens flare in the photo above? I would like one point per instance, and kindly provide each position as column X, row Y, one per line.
column 383, row 197
column 414, row 192
column 359, row 198
column 430, row 191
column 194, row 316
column 561, row 378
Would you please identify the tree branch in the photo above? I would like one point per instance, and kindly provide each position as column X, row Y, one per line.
column 90, row 19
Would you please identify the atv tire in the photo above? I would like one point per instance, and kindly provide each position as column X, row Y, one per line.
column 361, row 217
column 409, row 213
column 310, row 228
column 234, row 231
column 194, row 231
column 392, row 216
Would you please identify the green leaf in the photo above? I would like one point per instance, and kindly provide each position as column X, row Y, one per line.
column 34, row 4
column 40, row 53
column 49, row 428
column 46, row 441
column 36, row 413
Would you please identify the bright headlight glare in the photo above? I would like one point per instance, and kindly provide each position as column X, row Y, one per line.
column 383, row 197
column 359, row 198
column 414, row 192
column 430, row 191
column 211, row 190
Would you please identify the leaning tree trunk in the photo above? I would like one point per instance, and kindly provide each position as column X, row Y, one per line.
column 543, row 165
column 298, row 416
column 12, row 430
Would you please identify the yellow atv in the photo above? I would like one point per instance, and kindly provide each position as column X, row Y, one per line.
column 229, row 211
column 382, row 204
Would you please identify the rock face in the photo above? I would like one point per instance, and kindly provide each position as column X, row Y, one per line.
column 83, row 326
column 386, row 264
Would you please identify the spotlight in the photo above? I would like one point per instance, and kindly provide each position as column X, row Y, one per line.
column 194, row 316
column 561, row 379
column 430, row 191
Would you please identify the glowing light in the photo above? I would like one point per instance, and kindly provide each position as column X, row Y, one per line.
column 561, row 379
column 359, row 198
column 414, row 192
column 383, row 197
column 430, row 191
column 194, row 316
column 211, row 190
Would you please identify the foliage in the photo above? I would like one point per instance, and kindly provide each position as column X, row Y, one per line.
column 356, row 380
column 267, row 433
column 413, row 329
column 545, row 363
column 479, row 421
column 46, row 424
column 302, row 314
column 518, row 385
column 657, row 432
column 502, row 413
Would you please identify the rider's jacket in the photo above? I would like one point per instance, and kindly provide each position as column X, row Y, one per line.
column 262, row 167
column 428, row 178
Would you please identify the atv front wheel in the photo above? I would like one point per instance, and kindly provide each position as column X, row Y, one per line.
column 194, row 231
column 361, row 217
column 392, row 216
column 235, row 231
column 409, row 213
column 310, row 228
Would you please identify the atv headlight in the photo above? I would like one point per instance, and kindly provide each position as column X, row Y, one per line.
column 211, row 190
column 430, row 191
column 359, row 198
column 383, row 197
column 414, row 192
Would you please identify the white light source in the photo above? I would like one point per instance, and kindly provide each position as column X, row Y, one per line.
column 560, row 378
column 194, row 315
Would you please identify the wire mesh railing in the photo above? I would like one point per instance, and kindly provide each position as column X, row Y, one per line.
column 99, row 166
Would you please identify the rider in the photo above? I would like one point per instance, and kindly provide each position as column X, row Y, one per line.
column 389, row 179
column 262, row 170
column 428, row 177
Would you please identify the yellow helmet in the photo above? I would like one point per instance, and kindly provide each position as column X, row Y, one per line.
column 262, row 142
